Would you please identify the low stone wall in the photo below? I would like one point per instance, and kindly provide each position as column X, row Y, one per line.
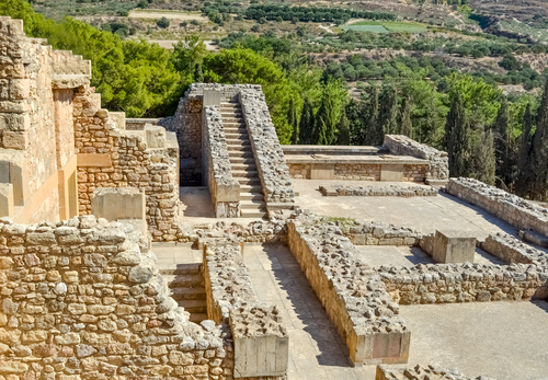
column 83, row 299
column 438, row 170
column 353, row 295
column 378, row 191
column 261, row 343
column 224, row 189
column 138, row 124
column 517, row 211
column 512, row 250
column 357, row 172
column 269, row 156
column 421, row 373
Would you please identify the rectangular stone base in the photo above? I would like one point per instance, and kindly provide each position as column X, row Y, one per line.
column 453, row 247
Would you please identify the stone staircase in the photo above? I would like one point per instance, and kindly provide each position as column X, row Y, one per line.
column 242, row 161
column 187, row 285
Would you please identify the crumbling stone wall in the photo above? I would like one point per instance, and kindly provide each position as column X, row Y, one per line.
column 517, row 211
column 402, row 145
column 421, row 373
column 83, row 299
column 110, row 157
column 392, row 190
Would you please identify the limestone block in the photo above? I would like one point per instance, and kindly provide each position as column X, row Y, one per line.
column 6, row 200
column 452, row 247
column 119, row 119
column 14, row 140
column 156, row 136
column 392, row 173
column 118, row 203
column 261, row 344
column 212, row 98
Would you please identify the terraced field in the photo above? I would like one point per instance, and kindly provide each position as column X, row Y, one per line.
column 385, row 27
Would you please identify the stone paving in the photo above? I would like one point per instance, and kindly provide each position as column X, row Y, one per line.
column 423, row 213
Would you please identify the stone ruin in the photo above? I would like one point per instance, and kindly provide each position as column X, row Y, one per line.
column 84, row 192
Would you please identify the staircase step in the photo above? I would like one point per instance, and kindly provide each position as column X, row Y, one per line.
column 253, row 214
column 231, row 119
column 188, row 293
column 236, row 130
column 232, row 115
column 187, row 281
column 238, row 142
column 182, row 269
column 244, row 167
column 245, row 188
column 249, row 181
column 237, row 136
column 245, row 174
column 194, row 306
column 252, row 205
column 240, row 148
column 198, row 317
column 282, row 206
column 242, row 161
column 240, row 153
column 251, row 197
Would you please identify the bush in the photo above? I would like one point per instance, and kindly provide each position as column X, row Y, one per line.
column 143, row 4
column 163, row 23
column 256, row 28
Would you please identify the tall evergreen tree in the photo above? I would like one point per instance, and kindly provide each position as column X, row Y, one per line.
column 540, row 150
column 326, row 125
column 307, row 123
column 457, row 138
column 406, row 127
column 388, row 112
column 198, row 73
column 483, row 159
column 293, row 122
column 523, row 183
column 344, row 130
column 502, row 153
column 372, row 133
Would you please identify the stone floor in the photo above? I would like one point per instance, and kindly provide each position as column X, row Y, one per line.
column 423, row 213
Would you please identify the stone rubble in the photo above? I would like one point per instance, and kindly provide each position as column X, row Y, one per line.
column 422, row 373
column 379, row 191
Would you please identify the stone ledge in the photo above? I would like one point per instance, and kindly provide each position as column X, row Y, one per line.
column 421, row 373
column 378, row 191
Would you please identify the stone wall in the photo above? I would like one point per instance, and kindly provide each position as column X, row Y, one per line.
column 224, row 189
column 352, row 293
column 517, row 211
column 358, row 172
column 438, row 171
column 111, row 157
column 421, row 373
column 83, row 299
column 393, row 190
column 269, row 156
column 512, row 250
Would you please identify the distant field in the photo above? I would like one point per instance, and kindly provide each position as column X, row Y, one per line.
column 173, row 15
column 385, row 27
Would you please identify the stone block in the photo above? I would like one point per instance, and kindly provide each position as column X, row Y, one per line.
column 6, row 200
column 322, row 171
column 98, row 160
column 118, row 203
column 392, row 173
column 212, row 98
column 259, row 350
column 119, row 119
column 452, row 247
column 156, row 136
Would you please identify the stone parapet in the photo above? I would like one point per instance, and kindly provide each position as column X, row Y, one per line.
column 378, row 191
column 224, row 189
column 517, row 211
column 352, row 293
column 438, row 171
column 512, row 250
column 269, row 156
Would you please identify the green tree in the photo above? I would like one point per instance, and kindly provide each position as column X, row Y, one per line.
column 540, row 150
column 292, row 120
column 326, row 122
column 406, row 126
column 163, row 23
column 388, row 111
column 188, row 52
column 307, row 123
column 482, row 165
column 344, row 130
column 373, row 132
column 502, row 154
column 198, row 73
column 525, row 167
column 457, row 138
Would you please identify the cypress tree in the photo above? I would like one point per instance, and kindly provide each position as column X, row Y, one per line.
column 307, row 123
column 388, row 113
column 457, row 138
column 293, row 122
column 344, row 130
column 372, row 133
column 406, row 127
column 326, row 125
column 500, row 135
column 483, row 159
column 198, row 73
column 353, row 113
column 523, row 185
column 540, row 150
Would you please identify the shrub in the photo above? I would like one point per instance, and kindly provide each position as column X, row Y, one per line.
column 163, row 23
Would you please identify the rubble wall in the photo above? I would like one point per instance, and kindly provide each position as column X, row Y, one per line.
column 517, row 211
column 83, row 299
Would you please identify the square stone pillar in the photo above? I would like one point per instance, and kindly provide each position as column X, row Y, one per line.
column 454, row 247
column 6, row 200
column 261, row 344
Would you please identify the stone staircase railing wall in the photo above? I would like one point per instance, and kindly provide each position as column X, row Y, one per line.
column 259, row 334
column 85, row 296
column 438, row 171
column 517, row 211
column 269, row 156
column 224, row 189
